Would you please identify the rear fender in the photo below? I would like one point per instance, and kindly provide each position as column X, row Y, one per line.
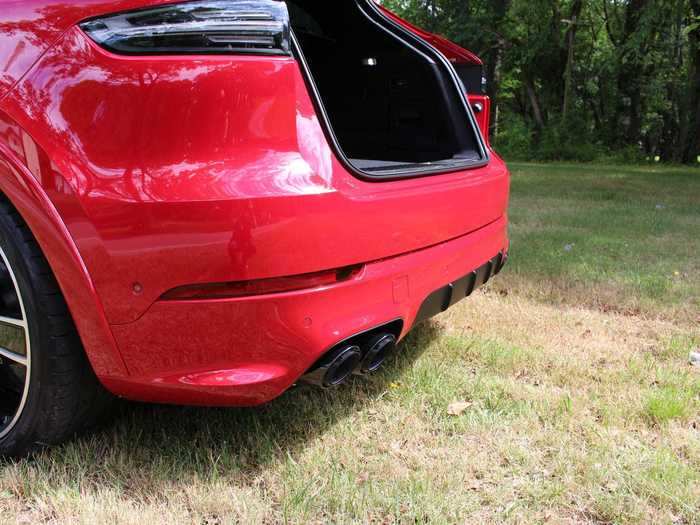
column 21, row 162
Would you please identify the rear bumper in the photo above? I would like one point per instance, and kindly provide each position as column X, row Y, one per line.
column 249, row 190
column 244, row 352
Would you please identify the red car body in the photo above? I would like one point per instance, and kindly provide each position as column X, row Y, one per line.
column 143, row 175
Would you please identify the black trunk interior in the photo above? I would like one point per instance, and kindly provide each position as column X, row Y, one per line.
column 390, row 106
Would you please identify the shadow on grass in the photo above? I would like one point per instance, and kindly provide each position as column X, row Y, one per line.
column 153, row 443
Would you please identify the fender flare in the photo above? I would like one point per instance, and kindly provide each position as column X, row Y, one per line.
column 27, row 196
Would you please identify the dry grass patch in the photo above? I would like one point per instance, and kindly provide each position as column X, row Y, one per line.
column 571, row 415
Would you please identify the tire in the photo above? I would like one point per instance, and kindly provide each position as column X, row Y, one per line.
column 48, row 390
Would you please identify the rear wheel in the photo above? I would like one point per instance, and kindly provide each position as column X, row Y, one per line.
column 15, row 349
column 47, row 389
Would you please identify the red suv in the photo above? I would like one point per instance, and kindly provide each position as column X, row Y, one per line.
column 206, row 202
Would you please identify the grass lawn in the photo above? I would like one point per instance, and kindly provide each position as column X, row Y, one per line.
column 561, row 393
column 608, row 238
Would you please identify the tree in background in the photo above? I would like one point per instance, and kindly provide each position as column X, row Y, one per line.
column 582, row 79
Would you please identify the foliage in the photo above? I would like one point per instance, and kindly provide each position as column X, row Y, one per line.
column 582, row 79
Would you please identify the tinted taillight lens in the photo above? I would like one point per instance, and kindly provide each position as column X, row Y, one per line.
column 199, row 27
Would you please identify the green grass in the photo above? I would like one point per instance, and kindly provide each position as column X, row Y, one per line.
column 571, row 369
column 670, row 403
column 609, row 237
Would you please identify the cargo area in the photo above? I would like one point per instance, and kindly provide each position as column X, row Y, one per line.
column 393, row 105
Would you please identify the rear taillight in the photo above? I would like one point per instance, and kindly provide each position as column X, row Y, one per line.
column 200, row 27
column 481, row 104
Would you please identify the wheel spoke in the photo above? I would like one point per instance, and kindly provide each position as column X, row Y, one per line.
column 12, row 321
column 11, row 356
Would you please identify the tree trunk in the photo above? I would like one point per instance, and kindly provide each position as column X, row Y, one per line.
column 570, row 42
column 536, row 111
column 631, row 73
column 693, row 148
column 494, row 67
column 494, row 84
column 674, row 131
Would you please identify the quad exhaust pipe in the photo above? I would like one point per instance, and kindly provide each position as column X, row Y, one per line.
column 378, row 349
column 335, row 367
column 346, row 359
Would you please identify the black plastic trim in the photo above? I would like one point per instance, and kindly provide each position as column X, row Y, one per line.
column 452, row 293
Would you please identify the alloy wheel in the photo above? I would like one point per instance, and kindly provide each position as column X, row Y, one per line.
column 15, row 355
